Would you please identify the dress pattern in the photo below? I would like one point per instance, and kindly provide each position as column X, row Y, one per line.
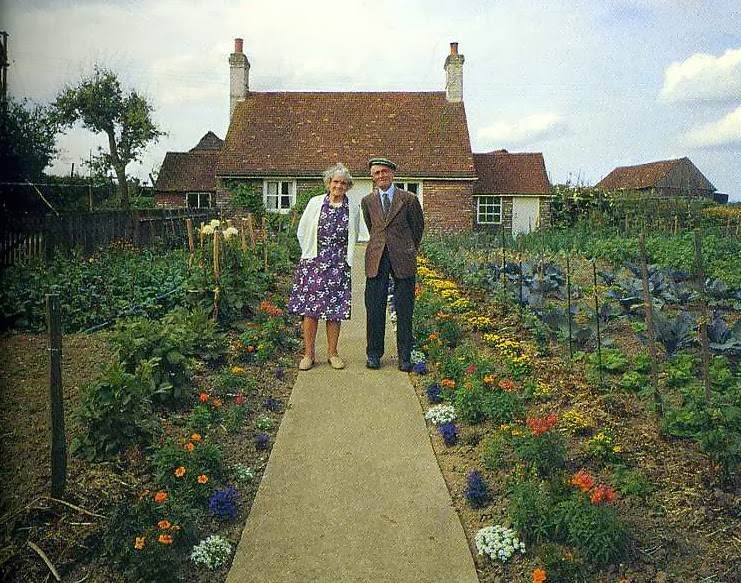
column 322, row 286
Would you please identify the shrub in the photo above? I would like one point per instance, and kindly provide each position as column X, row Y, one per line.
column 115, row 413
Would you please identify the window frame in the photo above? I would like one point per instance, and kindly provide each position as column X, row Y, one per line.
column 496, row 216
column 200, row 196
column 291, row 194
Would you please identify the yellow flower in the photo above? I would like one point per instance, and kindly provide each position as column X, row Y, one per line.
column 139, row 543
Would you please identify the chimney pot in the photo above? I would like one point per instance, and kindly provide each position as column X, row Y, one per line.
column 238, row 45
column 453, row 48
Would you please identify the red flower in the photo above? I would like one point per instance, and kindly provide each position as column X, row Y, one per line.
column 239, row 399
column 203, row 397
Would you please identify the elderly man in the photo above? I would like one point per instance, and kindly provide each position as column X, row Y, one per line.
column 395, row 224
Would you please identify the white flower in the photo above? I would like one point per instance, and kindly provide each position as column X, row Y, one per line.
column 207, row 229
column 439, row 414
column 215, row 223
column 230, row 232
column 211, row 552
column 498, row 542
column 244, row 473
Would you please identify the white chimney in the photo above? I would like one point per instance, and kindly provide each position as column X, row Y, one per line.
column 454, row 75
column 239, row 76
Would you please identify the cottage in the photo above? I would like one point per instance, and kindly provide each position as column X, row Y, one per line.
column 667, row 178
column 189, row 178
column 512, row 192
column 279, row 143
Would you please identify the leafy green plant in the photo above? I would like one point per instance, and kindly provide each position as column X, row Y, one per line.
column 115, row 413
column 610, row 360
column 169, row 348
column 630, row 481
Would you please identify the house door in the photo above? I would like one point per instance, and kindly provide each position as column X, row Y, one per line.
column 525, row 215
column 359, row 189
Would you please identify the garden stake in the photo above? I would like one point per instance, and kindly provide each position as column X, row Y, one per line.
column 704, row 319
column 568, row 303
column 58, row 442
column 596, row 311
column 265, row 241
column 648, row 306
column 191, row 239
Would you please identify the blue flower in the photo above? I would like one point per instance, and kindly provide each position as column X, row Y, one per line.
column 223, row 503
column 261, row 441
column 449, row 433
column 476, row 491
column 419, row 368
column 434, row 393
column 272, row 404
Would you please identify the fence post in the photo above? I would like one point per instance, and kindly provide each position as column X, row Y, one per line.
column 704, row 318
column 191, row 236
column 648, row 307
column 265, row 241
column 568, row 304
column 596, row 312
column 58, row 441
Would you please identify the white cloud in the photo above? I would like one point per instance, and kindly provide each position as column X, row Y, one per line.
column 724, row 132
column 527, row 129
column 704, row 77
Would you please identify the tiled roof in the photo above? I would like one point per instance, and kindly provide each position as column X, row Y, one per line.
column 639, row 176
column 210, row 141
column 501, row 172
column 302, row 134
column 192, row 171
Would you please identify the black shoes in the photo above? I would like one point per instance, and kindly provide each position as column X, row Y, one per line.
column 373, row 362
column 405, row 366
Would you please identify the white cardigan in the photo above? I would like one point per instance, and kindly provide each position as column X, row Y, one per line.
column 309, row 225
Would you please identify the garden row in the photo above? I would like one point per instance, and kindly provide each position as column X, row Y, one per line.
column 180, row 424
column 556, row 449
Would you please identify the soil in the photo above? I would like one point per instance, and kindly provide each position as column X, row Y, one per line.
column 685, row 530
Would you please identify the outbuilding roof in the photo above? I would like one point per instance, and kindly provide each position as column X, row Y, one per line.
column 502, row 172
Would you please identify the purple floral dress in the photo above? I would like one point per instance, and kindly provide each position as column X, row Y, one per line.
column 321, row 287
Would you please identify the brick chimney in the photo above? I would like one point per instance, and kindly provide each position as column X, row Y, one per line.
column 454, row 75
column 239, row 76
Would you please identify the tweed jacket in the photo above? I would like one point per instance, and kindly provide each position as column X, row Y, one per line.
column 400, row 231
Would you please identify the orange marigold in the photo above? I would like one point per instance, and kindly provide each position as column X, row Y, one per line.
column 507, row 385
column 164, row 524
column 203, row 397
column 448, row 383
column 582, row 480
column 165, row 539
column 196, row 437
column 202, row 479
column 603, row 493
column 217, row 403
column 189, row 447
column 160, row 497
column 180, row 472
column 539, row 576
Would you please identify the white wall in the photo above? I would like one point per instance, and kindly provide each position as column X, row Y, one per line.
column 359, row 189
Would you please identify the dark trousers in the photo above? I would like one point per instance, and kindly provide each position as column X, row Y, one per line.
column 376, row 295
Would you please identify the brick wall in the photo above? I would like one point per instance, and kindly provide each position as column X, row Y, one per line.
column 448, row 207
column 169, row 200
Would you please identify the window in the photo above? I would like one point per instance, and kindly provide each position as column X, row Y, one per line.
column 488, row 210
column 279, row 196
column 199, row 200
column 409, row 186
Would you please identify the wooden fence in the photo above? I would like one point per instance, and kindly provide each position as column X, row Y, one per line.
column 27, row 236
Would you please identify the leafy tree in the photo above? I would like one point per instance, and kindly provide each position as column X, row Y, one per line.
column 99, row 102
column 27, row 140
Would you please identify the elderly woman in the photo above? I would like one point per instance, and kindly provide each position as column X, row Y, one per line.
column 327, row 233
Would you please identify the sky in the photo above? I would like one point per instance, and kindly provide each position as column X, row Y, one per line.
column 591, row 84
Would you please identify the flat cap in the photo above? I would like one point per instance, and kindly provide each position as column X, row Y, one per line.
column 381, row 162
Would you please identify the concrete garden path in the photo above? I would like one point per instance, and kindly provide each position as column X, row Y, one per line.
column 352, row 491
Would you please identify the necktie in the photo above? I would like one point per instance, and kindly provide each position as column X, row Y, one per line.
column 386, row 203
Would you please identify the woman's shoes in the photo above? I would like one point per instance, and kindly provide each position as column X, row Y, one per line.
column 336, row 362
column 306, row 363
